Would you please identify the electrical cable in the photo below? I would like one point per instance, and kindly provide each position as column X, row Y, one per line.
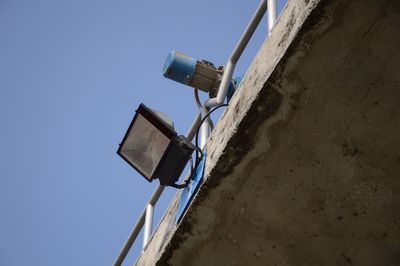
column 198, row 159
column 199, row 105
column 197, row 133
column 202, row 121
column 197, row 98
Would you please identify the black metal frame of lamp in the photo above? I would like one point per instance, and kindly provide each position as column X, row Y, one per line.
column 177, row 151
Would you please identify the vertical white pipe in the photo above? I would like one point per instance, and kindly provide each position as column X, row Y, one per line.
column 148, row 224
column 271, row 15
column 205, row 127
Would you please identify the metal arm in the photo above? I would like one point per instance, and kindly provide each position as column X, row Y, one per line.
column 237, row 52
column 139, row 224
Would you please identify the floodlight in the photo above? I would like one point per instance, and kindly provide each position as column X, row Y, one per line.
column 153, row 148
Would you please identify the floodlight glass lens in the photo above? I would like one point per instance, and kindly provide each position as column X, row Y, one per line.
column 144, row 146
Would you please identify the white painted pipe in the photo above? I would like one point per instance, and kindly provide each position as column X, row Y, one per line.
column 148, row 224
column 271, row 15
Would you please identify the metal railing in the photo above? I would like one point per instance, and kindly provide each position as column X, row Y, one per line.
column 146, row 218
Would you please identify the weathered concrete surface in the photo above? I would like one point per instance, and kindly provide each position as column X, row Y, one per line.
column 303, row 168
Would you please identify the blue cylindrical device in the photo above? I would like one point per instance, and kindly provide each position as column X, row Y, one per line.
column 201, row 75
column 179, row 67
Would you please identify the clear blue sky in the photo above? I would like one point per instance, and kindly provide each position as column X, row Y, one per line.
column 71, row 75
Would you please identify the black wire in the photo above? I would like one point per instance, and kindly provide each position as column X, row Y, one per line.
column 198, row 160
column 197, row 134
column 202, row 121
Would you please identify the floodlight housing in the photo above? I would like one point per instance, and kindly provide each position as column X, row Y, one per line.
column 153, row 148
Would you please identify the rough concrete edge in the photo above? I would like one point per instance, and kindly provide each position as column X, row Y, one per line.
column 296, row 18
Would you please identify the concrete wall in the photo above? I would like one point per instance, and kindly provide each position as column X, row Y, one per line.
column 303, row 168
